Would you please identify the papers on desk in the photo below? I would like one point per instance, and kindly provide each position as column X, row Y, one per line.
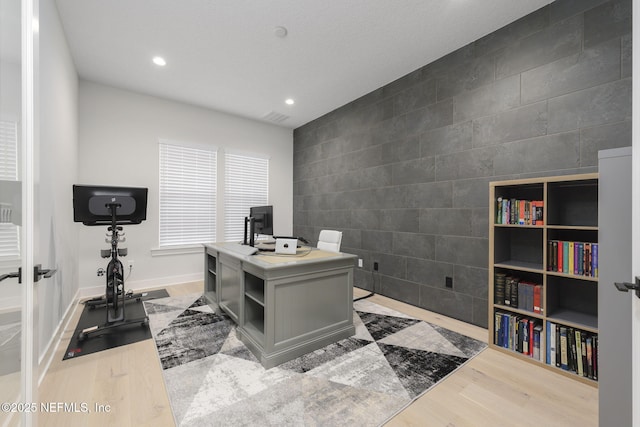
column 242, row 249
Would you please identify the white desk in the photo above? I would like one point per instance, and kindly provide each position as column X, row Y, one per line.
column 285, row 306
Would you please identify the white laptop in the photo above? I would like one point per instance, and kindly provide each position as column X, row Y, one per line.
column 286, row 246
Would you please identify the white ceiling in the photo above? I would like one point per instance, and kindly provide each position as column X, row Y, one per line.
column 224, row 54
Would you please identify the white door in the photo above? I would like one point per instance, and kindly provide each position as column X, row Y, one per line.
column 18, row 155
column 635, row 249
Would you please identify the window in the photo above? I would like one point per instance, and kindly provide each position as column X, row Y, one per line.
column 187, row 194
column 246, row 184
column 9, row 234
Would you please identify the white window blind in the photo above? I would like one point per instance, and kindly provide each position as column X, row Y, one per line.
column 187, row 194
column 246, row 184
column 9, row 234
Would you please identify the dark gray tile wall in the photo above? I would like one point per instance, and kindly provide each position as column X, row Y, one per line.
column 404, row 171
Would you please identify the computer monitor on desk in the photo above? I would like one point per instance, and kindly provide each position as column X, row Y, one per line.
column 259, row 221
column 263, row 219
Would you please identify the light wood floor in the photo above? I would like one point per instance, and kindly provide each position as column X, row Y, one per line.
column 492, row 389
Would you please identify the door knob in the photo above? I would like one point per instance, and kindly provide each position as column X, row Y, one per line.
column 37, row 273
column 626, row 287
column 17, row 274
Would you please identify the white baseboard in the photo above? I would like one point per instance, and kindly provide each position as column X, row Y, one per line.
column 135, row 285
column 10, row 304
column 47, row 355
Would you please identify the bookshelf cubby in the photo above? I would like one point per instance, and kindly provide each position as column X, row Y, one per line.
column 543, row 241
column 210, row 278
column 254, row 306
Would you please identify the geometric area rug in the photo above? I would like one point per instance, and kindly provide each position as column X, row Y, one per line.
column 213, row 380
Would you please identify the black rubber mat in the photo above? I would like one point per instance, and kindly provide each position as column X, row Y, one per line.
column 114, row 337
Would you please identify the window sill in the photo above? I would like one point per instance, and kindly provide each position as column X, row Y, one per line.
column 177, row 250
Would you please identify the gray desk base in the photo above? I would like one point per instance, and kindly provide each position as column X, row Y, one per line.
column 284, row 307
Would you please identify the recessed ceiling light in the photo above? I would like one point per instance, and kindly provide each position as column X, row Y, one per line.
column 289, row 101
column 159, row 61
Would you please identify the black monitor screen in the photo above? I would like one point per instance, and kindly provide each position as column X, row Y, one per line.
column 263, row 219
column 92, row 204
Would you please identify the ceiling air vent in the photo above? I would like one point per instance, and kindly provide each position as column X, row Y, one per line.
column 275, row 117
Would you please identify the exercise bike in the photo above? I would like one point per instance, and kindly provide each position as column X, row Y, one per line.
column 116, row 206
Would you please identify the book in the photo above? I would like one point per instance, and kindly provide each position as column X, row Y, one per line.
column 589, row 358
column 570, row 268
column 505, row 330
column 521, row 212
column 512, row 333
column 565, row 257
column 532, row 213
column 579, row 352
column 586, row 270
column 537, row 333
column 537, row 298
column 571, row 336
column 594, row 354
column 499, row 286
column 594, row 259
column 507, row 291
column 539, row 212
column 523, row 296
column 505, row 211
column 583, row 347
column 560, row 262
column 580, row 259
column 564, row 350
column 530, row 336
column 551, row 343
column 514, row 292
column 523, row 342
column 558, row 352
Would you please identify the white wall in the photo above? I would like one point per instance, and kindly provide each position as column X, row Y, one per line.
column 10, row 89
column 56, row 172
column 118, row 145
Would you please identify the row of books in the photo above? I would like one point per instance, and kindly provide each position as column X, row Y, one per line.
column 572, row 350
column 516, row 293
column 522, row 212
column 578, row 258
column 518, row 333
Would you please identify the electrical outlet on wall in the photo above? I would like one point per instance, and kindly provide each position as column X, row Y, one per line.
column 448, row 282
column 130, row 263
column 360, row 262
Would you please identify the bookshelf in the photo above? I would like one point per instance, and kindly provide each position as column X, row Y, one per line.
column 543, row 276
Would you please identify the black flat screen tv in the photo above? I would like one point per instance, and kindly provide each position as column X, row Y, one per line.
column 92, row 204
column 262, row 219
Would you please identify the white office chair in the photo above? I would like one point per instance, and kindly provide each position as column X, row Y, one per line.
column 330, row 240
